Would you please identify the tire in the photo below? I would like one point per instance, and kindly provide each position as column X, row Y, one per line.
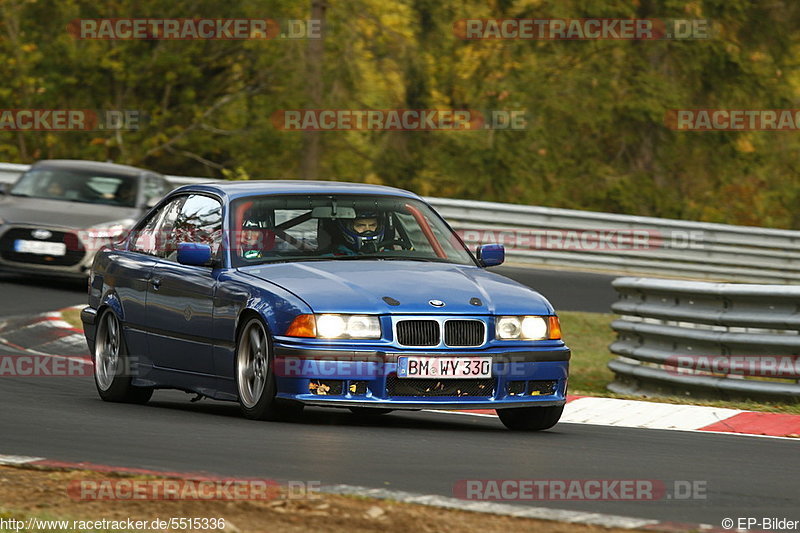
column 112, row 367
column 369, row 411
column 530, row 418
column 255, row 380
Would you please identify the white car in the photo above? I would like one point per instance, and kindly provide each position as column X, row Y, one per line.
column 60, row 212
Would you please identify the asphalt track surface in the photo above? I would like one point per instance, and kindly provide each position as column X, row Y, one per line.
column 427, row 453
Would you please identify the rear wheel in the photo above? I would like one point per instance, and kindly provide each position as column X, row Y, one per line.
column 530, row 418
column 112, row 367
column 255, row 380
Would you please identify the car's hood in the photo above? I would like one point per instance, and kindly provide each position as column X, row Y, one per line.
column 354, row 286
column 60, row 213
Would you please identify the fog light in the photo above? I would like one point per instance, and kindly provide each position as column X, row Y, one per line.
column 516, row 388
column 542, row 388
column 325, row 388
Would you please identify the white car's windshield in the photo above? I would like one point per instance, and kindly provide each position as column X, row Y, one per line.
column 340, row 227
column 56, row 184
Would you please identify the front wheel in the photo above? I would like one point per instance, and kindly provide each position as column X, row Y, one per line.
column 255, row 379
column 112, row 366
column 530, row 418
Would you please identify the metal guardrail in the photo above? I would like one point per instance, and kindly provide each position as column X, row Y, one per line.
column 716, row 340
column 625, row 243
column 611, row 242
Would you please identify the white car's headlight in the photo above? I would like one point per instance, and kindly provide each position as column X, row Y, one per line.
column 109, row 230
column 530, row 328
column 335, row 326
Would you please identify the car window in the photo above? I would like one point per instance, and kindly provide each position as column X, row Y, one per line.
column 151, row 238
column 154, row 188
column 199, row 220
column 83, row 187
column 408, row 224
column 303, row 233
column 340, row 227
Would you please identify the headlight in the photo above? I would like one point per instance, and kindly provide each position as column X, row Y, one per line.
column 110, row 230
column 531, row 328
column 334, row 326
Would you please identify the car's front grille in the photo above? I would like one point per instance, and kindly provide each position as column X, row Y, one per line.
column 74, row 254
column 418, row 333
column 439, row 387
column 463, row 332
column 457, row 332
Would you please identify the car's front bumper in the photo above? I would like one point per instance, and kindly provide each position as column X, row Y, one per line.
column 368, row 378
column 75, row 264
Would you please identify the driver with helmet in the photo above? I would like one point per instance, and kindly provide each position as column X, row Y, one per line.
column 251, row 245
column 364, row 234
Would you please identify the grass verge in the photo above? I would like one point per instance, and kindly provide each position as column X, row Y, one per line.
column 72, row 316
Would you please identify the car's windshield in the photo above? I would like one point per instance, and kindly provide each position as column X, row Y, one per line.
column 340, row 227
column 93, row 188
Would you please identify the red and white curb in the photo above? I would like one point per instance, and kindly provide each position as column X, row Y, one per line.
column 45, row 334
column 652, row 415
column 640, row 414
column 517, row 511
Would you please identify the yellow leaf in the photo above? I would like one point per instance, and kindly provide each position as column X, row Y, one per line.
column 744, row 145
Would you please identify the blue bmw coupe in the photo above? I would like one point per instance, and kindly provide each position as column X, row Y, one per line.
column 281, row 294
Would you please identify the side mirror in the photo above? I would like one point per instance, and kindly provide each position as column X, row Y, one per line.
column 5, row 188
column 194, row 254
column 490, row 255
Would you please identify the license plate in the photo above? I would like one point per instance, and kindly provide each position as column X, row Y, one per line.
column 444, row 367
column 40, row 248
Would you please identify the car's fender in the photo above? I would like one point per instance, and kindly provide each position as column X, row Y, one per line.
column 111, row 299
column 237, row 296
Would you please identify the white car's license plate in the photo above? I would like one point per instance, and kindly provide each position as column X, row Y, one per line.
column 444, row 367
column 40, row 248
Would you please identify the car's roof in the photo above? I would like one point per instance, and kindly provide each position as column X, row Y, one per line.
column 238, row 189
column 78, row 165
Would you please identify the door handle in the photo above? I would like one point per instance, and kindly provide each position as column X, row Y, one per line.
column 156, row 282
